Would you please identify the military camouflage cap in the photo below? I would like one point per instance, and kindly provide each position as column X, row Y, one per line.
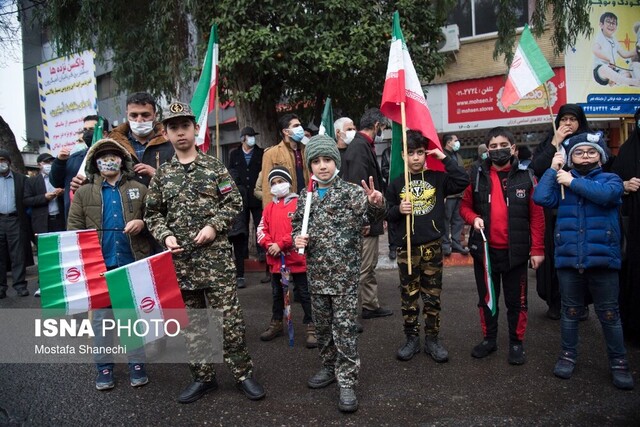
column 177, row 109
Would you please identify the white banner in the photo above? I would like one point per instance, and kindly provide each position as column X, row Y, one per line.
column 67, row 88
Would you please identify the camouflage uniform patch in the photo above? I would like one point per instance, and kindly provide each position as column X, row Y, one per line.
column 425, row 282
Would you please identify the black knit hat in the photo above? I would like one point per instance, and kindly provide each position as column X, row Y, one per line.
column 282, row 172
column 590, row 139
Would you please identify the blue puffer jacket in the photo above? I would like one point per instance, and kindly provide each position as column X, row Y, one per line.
column 587, row 233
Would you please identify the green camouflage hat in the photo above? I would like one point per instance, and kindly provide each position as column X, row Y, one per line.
column 177, row 109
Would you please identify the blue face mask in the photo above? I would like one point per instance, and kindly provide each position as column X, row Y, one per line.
column 484, row 156
column 297, row 134
column 456, row 145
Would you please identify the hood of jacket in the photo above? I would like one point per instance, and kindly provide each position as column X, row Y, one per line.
column 108, row 144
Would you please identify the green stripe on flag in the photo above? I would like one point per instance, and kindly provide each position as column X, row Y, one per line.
column 396, row 163
column 534, row 57
column 51, row 273
column 124, row 306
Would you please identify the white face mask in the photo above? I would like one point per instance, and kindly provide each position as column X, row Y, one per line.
column 109, row 164
column 4, row 167
column 280, row 190
column 350, row 134
column 141, row 129
column 251, row 141
column 46, row 169
column 379, row 138
column 304, row 140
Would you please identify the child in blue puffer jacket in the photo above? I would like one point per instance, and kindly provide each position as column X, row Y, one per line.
column 587, row 256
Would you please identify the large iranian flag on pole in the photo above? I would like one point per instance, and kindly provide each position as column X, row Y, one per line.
column 70, row 267
column 204, row 98
column 528, row 70
column 402, row 85
column 146, row 292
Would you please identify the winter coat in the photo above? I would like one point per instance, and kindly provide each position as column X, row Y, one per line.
column 281, row 155
column 587, row 232
column 246, row 175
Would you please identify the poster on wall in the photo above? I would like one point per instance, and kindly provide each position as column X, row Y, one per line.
column 475, row 104
column 67, row 88
column 603, row 71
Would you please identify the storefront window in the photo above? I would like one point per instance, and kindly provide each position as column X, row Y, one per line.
column 477, row 17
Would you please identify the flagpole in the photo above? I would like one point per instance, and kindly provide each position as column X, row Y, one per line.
column 217, row 123
column 407, row 193
column 555, row 129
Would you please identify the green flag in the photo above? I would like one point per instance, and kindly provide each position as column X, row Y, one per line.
column 326, row 125
column 396, row 164
column 98, row 131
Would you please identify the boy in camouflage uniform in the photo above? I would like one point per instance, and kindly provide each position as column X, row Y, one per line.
column 426, row 207
column 191, row 204
column 333, row 248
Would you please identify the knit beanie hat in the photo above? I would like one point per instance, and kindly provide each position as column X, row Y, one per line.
column 321, row 145
column 591, row 139
column 282, row 172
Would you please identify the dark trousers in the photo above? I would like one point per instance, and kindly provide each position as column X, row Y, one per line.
column 55, row 223
column 12, row 247
column 453, row 225
column 239, row 243
column 514, row 284
column 301, row 286
column 256, row 213
column 392, row 230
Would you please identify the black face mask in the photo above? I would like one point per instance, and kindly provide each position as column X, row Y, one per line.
column 87, row 136
column 585, row 168
column 500, row 157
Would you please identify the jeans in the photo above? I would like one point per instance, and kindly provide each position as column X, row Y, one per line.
column 602, row 283
column 105, row 339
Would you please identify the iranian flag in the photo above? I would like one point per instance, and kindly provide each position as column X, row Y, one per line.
column 528, row 70
column 146, row 292
column 490, row 298
column 403, row 86
column 326, row 125
column 204, row 98
column 70, row 266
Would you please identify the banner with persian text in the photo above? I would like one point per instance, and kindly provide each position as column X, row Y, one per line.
column 67, row 88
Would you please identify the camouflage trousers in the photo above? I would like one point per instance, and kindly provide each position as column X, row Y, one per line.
column 335, row 320
column 198, row 342
column 424, row 282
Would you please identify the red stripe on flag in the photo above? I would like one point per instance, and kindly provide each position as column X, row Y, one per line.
column 168, row 290
column 94, row 268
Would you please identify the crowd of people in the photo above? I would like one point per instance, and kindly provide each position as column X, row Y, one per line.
column 318, row 206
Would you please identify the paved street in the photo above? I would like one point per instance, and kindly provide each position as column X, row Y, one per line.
column 464, row 391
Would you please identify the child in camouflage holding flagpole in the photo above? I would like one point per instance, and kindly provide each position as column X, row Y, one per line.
column 333, row 248
column 191, row 204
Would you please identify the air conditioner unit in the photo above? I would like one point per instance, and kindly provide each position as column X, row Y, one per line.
column 450, row 40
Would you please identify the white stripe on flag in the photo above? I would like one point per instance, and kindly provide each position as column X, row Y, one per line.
column 521, row 74
column 145, row 297
column 75, row 290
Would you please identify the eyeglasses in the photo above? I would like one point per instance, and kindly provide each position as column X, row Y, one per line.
column 610, row 22
column 589, row 153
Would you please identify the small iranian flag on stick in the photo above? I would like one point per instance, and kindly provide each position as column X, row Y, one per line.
column 204, row 98
column 490, row 298
column 528, row 70
column 147, row 290
column 70, row 265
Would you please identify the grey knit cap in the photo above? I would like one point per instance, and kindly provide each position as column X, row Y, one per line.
column 321, row 145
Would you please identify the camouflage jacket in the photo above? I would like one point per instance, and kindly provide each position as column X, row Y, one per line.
column 180, row 203
column 335, row 238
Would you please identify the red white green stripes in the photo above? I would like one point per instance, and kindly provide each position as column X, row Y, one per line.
column 70, row 265
column 147, row 290
column 490, row 298
column 204, row 97
column 528, row 70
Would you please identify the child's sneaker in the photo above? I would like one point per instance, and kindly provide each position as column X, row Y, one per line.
column 104, row 380
column 138, row 375
column 565, row 365
column 622, row 378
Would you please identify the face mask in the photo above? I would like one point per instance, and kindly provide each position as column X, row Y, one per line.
column 350, row 134
column 251, row 141
column 4, row 167
column 87, row 136
column 315, row 178
column 141, row 129
column 46, row 169
column 378, row 139
column 280, row 190
column 585, row 168
column 484, row 156
column 456, row 145
column 501, row 156
column 111, row 165
column 304, row 140
column 297, row 133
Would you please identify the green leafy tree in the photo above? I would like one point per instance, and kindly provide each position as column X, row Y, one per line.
column 274, row 55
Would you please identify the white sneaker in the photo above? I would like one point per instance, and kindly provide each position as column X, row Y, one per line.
column 37, row 293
